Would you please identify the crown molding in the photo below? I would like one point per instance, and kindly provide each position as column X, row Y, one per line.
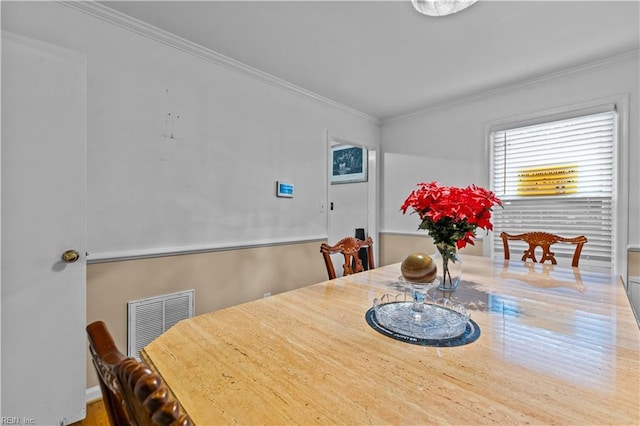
column 555, row 75
column 146, row 30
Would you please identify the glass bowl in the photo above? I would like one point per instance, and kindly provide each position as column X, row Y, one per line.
column 430, row 319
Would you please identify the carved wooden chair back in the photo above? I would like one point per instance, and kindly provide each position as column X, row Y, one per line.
column 132, row 393
column 349, row 247
column 544, row 240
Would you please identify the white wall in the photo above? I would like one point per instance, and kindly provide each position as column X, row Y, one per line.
column 404, row 172
column 350, row 203
column 413, row 145
column 213, row 183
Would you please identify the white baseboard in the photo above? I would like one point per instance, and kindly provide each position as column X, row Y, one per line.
column 93, row 393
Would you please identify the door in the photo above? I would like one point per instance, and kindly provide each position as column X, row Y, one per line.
column 352, row 205
column 43, row 215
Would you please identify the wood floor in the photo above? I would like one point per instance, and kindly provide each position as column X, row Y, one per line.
column 96, row 415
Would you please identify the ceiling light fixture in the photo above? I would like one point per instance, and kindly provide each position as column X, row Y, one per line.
column 441, row 7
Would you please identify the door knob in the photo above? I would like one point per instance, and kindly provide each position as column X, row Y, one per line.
column 70, row 256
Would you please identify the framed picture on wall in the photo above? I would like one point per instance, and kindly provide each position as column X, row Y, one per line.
column 348, row 164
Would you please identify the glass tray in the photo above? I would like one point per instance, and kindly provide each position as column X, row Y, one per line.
column 430, row 320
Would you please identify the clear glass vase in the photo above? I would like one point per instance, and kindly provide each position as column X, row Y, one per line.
column 449, row 267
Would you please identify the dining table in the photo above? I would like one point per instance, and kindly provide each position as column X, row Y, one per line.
column 548, row 345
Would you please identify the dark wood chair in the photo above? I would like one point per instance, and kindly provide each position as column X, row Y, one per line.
column 349, row 248
column 132, row 393
column 544, row 240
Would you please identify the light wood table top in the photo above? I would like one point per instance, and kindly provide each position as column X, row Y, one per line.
column 557, row 346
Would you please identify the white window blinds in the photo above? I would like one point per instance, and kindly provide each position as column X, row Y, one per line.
column 557, row 177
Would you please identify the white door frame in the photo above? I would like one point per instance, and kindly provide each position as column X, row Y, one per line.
column 373, row 173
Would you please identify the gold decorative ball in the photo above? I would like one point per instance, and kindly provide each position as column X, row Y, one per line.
column 418, row 267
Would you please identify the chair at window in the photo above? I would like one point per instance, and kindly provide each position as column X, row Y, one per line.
column 349, row 248
column 132, row 393
column 544, row 240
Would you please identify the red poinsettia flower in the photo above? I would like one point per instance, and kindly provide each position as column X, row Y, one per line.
column 452, row 214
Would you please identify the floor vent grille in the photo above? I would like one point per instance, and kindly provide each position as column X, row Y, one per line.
column 149, row 318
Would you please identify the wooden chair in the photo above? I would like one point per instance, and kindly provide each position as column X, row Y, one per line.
column 132, row 393
column 543, row 240
column 349, row 248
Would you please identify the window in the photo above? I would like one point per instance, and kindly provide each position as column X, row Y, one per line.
column 558, row 177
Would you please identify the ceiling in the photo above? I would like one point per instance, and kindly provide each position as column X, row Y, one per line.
column 385, row 59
